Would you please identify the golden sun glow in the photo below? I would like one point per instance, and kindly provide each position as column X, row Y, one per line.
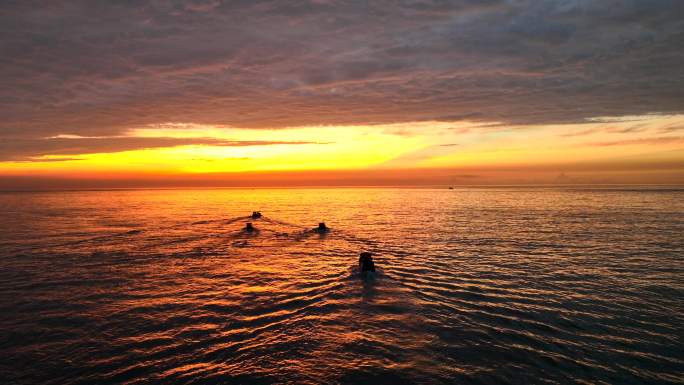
column 424, row 145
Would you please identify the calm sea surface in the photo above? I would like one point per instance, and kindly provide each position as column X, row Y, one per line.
column 483, row 286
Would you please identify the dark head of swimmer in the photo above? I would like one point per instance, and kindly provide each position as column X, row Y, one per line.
column 366, row 262
column 322, row 228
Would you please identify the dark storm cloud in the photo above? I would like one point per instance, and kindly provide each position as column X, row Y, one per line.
column 97, row 68
column 23, row 149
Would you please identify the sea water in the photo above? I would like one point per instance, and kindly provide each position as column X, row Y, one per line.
column 474, row 285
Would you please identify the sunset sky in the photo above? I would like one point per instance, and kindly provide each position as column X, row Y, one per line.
column 225, row 93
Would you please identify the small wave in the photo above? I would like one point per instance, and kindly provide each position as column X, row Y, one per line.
column 588, row 295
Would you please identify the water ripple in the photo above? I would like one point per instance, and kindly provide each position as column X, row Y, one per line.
column 501, row 286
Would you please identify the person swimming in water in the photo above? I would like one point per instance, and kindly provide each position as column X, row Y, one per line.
column 249, row 228
column 366, row 262
column 322, row 228
column 256, row 214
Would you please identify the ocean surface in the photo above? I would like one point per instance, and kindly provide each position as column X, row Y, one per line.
column 475, row 286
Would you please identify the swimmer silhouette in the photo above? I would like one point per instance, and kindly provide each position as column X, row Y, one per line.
column 322, row 228
column 366, row 262
column 249, row 228
column 256, row 214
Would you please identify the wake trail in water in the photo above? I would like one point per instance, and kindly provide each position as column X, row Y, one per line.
column 533, row 286
column 283, row 223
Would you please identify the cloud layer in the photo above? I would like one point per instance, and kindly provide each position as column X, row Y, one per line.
column 32, row 149
column 100, row 68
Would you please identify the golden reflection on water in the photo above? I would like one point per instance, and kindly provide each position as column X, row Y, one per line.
column 473, row 285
